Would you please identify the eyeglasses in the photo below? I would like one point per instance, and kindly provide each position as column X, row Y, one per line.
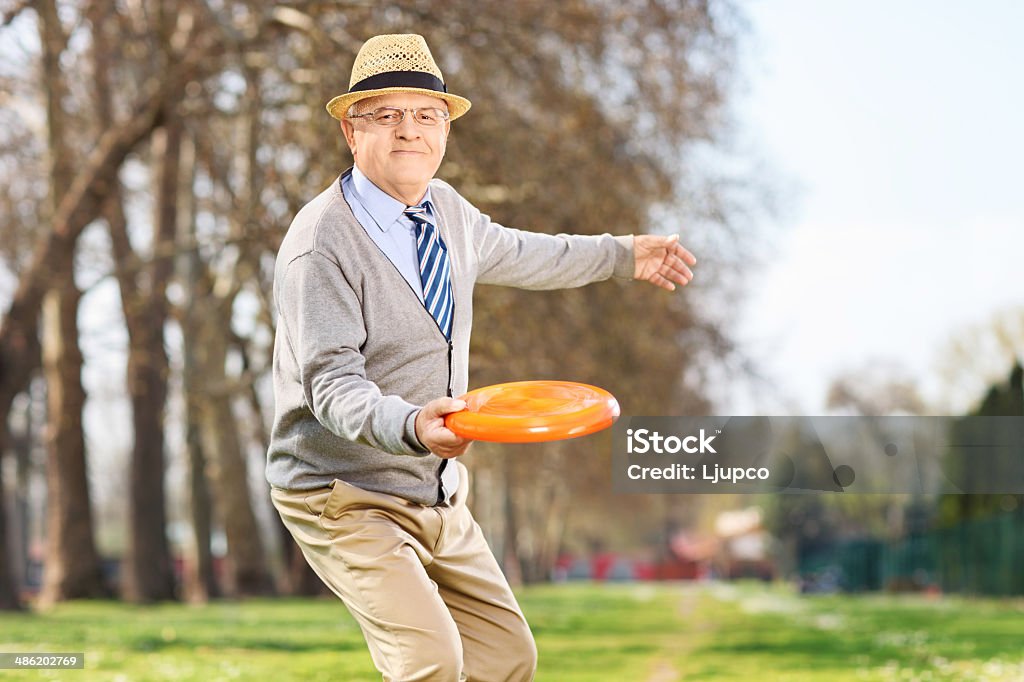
column 392, row 116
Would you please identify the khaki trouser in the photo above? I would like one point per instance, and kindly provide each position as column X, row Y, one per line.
column 421, row 581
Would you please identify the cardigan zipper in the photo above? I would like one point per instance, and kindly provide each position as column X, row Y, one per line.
column 451, row 388
column 450, row 392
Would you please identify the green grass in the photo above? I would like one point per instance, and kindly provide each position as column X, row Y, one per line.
column 585, row 633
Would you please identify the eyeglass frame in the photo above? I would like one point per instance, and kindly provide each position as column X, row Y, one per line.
column 445, row 116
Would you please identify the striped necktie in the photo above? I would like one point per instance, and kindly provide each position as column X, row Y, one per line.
column 434, row 268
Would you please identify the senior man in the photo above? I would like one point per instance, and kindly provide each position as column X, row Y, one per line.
column 374, row 289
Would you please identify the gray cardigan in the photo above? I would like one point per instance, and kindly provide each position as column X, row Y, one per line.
column 356, row 353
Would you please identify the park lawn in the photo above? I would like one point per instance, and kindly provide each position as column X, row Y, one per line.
column 584, row 632
column 750, row 633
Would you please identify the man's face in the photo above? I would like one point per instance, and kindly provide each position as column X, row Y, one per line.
column 400, row 159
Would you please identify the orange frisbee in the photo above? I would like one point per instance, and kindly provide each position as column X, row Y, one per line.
column 533, row 411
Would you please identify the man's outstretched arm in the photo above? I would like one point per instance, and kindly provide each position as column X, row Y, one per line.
column 533, row 260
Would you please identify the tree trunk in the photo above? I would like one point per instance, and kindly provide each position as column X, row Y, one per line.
column 296, row 576
column 247, row 568
column 72, row 568
column 510, row 560
column 246, row 563
column 200, row 581
column 18, row 519
column 16, row 532
column 72, row 565
column 9, row 598
column 148, row 573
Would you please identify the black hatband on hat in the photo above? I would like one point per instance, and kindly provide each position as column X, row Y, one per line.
column 400, row 79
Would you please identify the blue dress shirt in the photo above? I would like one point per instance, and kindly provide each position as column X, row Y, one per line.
column 383, row 218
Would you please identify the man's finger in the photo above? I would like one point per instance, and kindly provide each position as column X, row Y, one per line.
column 676, row 276
column 445, row 437
column 673, row 275
column 461, row 449
column 443, row 406
column 683, row 253
column 660, row 281
column 678, row 265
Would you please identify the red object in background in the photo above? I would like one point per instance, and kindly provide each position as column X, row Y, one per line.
column 643, row 570
column 676, row 569
column 601, row 565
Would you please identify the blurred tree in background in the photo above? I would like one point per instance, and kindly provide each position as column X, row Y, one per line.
column 969, row 543
column 156, row 152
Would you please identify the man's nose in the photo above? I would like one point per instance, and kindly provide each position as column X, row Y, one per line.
column 407, row 129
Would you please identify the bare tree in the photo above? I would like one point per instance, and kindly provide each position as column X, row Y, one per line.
column 879, row 388
column 146, row 568
column 209, row 310
column 72, row 566
column 979, row 356
column 82, row 201
column 200, row 584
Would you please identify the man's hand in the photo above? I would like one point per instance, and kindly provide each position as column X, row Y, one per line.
column 431, row 431
column 662, row 261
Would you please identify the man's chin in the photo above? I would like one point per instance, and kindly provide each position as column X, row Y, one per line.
column 413, row 174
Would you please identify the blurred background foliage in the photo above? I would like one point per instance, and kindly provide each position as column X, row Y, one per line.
column 152, row 155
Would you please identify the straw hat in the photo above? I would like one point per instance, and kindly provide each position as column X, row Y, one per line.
column 395, row 63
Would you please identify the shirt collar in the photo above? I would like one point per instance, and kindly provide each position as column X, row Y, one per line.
column 382, row 207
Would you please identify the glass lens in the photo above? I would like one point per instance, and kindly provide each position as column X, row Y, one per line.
column 387, row 116
column 429, row 116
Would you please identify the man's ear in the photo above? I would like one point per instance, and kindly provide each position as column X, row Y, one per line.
column 349, row 131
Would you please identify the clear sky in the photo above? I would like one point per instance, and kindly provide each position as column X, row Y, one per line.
column 902, row 123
